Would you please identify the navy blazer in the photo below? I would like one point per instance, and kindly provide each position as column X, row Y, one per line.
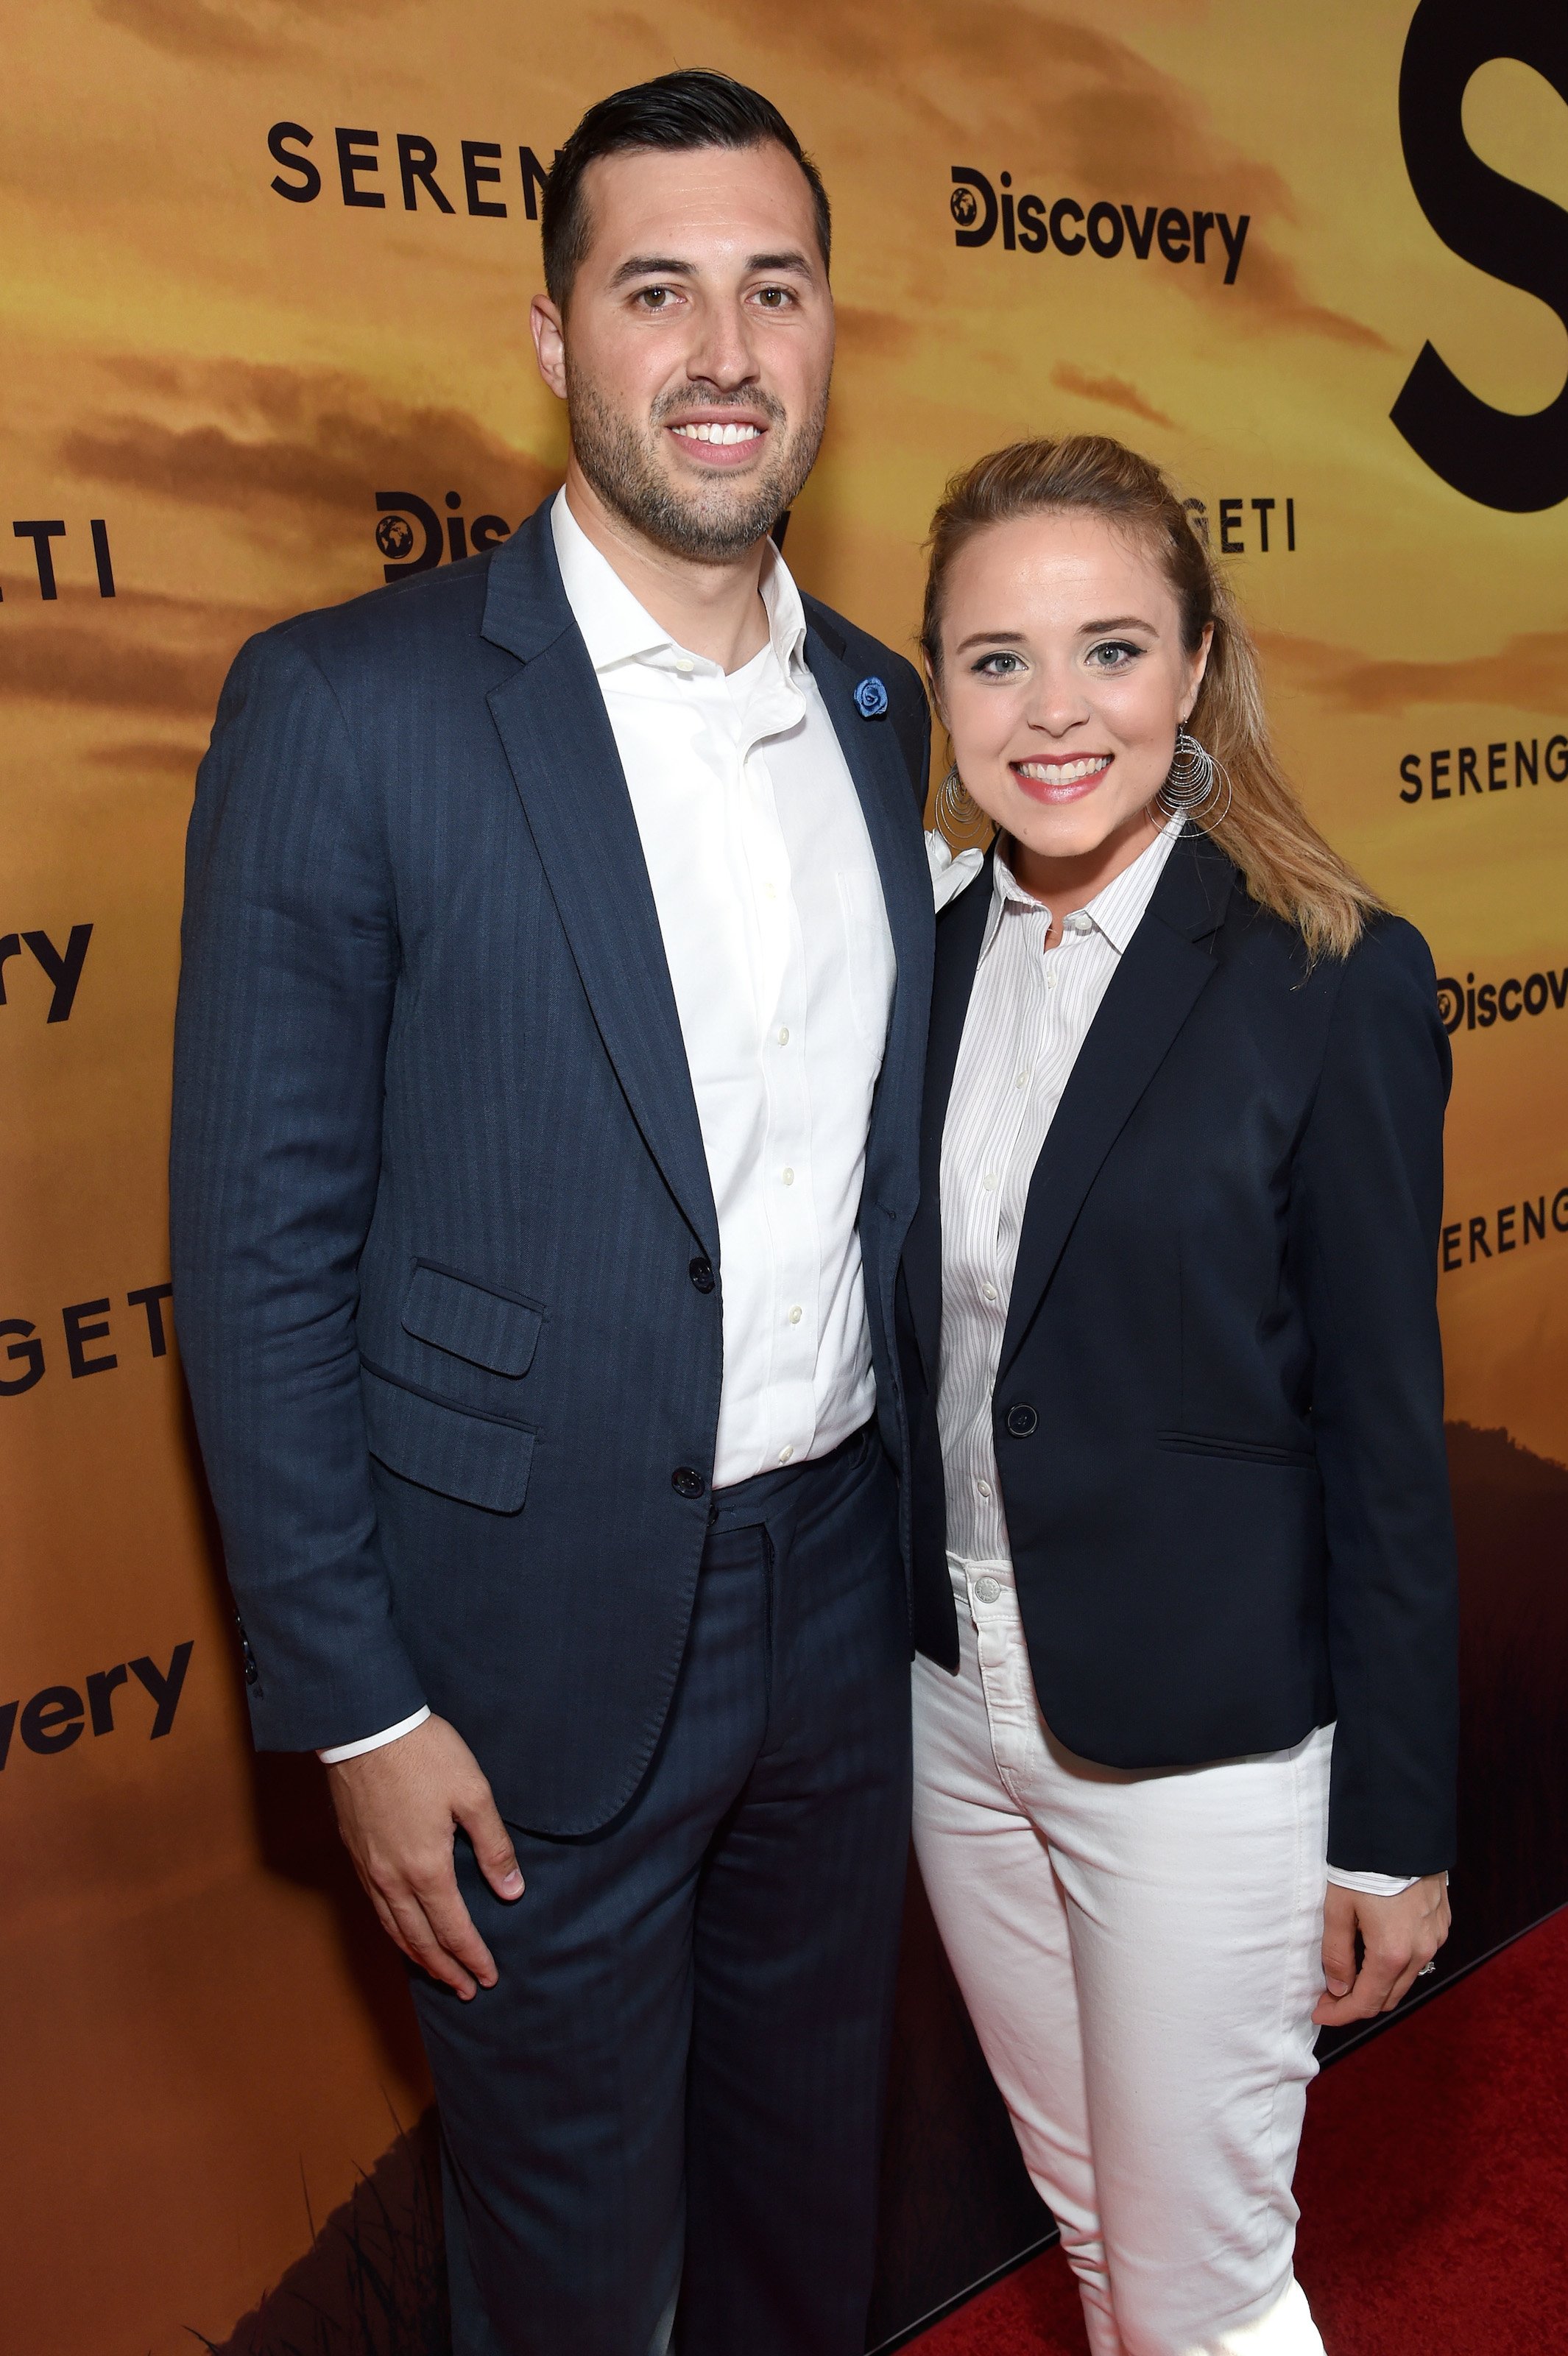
column 1218, row 1407
column 445, row 1245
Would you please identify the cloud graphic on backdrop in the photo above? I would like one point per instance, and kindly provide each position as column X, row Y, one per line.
column 864, row 334
column 1115, row 392
column 1529, row 673
column 230, row 34
column 991, row 79
column 161, row 656
column 284, row 448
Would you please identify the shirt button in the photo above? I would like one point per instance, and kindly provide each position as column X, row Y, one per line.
column 770, row 891
column 989, row 1182
column 990, row 1292
column 984, row 1487
column 784, row 1035
column 789, row 1177
column 794, row 1316
column 684, row 663
column 1021, row 1081
column 784, row 1454
column 1050, row 982
column 986, row 1591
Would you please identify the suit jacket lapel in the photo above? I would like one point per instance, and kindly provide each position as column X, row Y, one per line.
column 1165, row 966
column 888, row 801
column 959, row 934
column 558, row 740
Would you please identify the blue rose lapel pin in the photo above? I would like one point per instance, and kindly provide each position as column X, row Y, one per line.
column 870, row 699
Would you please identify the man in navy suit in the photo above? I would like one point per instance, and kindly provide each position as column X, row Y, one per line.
column 558, row 949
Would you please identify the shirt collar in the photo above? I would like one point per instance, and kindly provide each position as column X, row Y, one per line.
column 1115, row 912
column 616, row 629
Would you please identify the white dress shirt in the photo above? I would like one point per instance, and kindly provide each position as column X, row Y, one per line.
column 1029, row 1015
column 780, row 956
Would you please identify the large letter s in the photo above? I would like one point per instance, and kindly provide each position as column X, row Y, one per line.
column 1489, row 454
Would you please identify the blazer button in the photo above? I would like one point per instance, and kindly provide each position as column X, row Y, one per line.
column 701, row 1273
column 688, row 1481
column 1021, row 1421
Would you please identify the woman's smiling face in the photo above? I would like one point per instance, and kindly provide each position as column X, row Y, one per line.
column 1063, row 681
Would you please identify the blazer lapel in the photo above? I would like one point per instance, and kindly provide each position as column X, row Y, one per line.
column 887, row 799
column 959, row 934
column 1165, row 968
column 558, row 740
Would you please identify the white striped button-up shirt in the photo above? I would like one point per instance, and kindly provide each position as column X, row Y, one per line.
column 1029, row 1015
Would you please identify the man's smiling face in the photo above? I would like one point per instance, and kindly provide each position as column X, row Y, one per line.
column 697, row 345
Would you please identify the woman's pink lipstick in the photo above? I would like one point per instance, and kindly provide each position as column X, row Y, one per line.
column 1065, row 780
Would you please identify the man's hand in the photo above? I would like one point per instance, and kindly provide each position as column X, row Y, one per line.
column 1398, row 1936
column 396, row 1810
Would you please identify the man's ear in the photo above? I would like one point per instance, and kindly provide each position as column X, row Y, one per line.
column 548, row 331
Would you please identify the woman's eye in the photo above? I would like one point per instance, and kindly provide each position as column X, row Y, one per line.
column 1112, row 654
column 1000, row 665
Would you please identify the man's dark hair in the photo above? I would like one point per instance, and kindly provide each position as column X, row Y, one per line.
column 690, row 109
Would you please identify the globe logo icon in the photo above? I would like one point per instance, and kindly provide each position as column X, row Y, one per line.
column 394, row 536
column 964, row 205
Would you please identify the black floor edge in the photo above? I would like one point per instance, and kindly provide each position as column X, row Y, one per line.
column 971, row 2290
column 1418, row 1996
column 1352, row 2045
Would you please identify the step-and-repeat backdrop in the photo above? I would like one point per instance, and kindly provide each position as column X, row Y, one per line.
column 267, row 266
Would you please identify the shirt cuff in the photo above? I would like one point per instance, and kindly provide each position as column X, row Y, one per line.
column 1370, row 1885
column 374, row 1741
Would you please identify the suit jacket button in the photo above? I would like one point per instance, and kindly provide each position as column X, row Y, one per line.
column 701, row 1273
column 1021, row 1421
column 688, row 1481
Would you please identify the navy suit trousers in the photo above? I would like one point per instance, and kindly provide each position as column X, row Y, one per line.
column 679, row 2073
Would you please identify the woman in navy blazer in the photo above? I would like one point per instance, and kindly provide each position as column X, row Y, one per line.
column 1185, row 1588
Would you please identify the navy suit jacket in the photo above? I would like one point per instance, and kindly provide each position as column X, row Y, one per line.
column 444, row 1237
column 1218, row 1407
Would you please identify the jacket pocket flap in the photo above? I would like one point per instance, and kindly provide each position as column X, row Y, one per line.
column 488, row 1329
column 476, row 1458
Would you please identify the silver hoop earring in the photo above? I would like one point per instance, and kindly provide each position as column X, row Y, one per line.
column 1196, row 785
column 957, row 811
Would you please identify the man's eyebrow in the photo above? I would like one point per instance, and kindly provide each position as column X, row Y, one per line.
column 653, row 266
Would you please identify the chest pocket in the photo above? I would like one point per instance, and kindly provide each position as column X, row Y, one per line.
column 498, row 1331
column 867, row 952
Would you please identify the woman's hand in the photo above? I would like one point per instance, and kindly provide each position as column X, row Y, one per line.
column 1398, row 1935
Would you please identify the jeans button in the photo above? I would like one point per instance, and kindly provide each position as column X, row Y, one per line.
column 986, row 1591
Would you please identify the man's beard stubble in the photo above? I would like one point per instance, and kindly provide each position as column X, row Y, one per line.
column 714, row 522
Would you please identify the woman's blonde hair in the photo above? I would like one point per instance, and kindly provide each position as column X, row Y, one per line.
column 1288, row 866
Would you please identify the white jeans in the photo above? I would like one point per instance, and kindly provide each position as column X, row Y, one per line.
column 1140, row 1956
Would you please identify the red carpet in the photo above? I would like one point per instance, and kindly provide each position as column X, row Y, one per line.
column 1433, row 2187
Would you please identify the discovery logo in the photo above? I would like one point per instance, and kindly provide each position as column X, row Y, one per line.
column 1032, row 224
column 398, row 513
